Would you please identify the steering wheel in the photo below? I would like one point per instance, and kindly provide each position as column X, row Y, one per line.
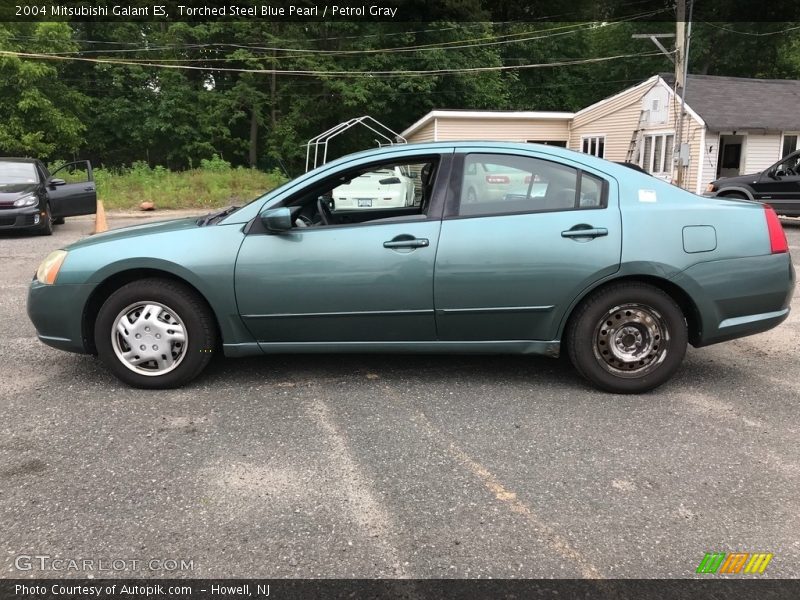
column 324, row 211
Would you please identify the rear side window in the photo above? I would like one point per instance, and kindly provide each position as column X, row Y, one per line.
column 504, row 184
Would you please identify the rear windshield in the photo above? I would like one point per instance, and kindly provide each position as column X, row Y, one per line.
column 17, row 172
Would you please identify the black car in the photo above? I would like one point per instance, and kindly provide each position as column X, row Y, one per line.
column 32, row 198
column 778, row 186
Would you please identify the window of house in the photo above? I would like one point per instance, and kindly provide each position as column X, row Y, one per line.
column 790, row 143
column 505, row 184
column 559, row 143
column 594, row 145
column 656, row 153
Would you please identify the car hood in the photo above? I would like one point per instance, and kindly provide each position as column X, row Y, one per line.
column 9, row 192
column 135, row 231
column 751, row 178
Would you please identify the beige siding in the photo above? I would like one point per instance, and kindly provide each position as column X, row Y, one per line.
column 618, row 119
column 424, row 133
column 506, row 130
column 760, row 151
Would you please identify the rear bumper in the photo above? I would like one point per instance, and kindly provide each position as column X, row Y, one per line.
column 739, row 297
column 19, row 218
column 57, row 313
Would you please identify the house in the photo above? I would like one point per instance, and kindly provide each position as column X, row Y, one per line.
column 497, row 125
column 731, row 126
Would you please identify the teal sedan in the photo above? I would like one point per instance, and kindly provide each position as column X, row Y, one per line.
column 613, row 267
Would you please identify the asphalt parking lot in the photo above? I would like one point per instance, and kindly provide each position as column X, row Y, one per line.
column 393, row 466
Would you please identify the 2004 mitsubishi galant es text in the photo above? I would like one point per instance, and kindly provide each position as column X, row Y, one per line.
column 616, row 268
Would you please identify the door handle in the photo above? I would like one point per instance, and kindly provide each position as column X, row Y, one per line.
column 584, row 232
column 89, row 189
column 412, row 243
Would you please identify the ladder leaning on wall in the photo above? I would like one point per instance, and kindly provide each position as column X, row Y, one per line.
column 636, row 138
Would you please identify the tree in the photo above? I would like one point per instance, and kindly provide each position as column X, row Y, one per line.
column 41, row 112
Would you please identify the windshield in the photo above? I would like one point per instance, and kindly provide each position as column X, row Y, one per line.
column 17, row 172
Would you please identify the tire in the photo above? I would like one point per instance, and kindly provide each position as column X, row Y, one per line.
column 58, row 221
column 176, row 332
column 46, row 227
column 627, row 338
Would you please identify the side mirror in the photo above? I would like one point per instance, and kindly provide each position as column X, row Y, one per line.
column 55, row 181
column 277, row 220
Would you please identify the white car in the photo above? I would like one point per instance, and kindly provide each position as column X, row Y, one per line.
column 385, row 188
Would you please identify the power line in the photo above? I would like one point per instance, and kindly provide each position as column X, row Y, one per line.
column 313, row 73
column 496, row 40
column 750, row 33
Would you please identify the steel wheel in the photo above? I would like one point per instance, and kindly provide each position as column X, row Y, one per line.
column 627, row 337
column 149, row 338
column 631, row 340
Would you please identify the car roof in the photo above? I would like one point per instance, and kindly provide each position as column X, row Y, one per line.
column 18, row 159
column 556, row 152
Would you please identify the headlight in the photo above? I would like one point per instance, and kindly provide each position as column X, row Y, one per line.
column 48, row 270
column 710, row 188
column 28, row 200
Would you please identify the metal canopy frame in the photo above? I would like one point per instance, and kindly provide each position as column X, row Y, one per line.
column 321, row 141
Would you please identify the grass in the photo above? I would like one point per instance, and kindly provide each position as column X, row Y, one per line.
column 215, row 184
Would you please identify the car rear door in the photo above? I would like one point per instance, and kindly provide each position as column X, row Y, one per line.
column 508, row 269
column 77, row 195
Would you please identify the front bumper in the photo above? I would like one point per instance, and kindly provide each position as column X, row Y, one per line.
column 740, row 296
column 57, row 313
column 20, row 218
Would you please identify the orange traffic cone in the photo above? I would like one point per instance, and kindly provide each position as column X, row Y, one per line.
column 100, row 224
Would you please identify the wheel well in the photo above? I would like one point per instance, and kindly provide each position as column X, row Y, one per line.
column 116, row 281
column 681, row 298
column 734, row 194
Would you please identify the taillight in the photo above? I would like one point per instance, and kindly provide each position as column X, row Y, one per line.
column 497, row 179
column 777, row 237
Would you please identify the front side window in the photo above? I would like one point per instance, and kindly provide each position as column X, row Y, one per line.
column 503, row 184
column 790, row 166
column 386, row 191
column 594, row 145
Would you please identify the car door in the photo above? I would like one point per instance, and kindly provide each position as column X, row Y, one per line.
column 71, row 190
column 779, row 185
column 349, row 283
column 508, row 268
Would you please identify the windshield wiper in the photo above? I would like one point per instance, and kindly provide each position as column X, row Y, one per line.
column 213, row 217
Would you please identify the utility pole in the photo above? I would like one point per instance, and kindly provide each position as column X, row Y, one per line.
column 683, row 32
column 682, row 35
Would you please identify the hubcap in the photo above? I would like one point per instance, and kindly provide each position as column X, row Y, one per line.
column 149, row 338
column 631, row 340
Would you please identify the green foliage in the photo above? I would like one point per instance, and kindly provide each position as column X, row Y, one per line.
column 214, row 185
column 135, row 114
column 40, row 113
column 215, row 164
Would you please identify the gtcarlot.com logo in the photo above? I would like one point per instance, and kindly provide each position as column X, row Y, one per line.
column 46, row 562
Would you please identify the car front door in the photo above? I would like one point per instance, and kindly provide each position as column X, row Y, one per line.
column 779, row 185
column 508, row 268
column 360, row 282
column 71, row 190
